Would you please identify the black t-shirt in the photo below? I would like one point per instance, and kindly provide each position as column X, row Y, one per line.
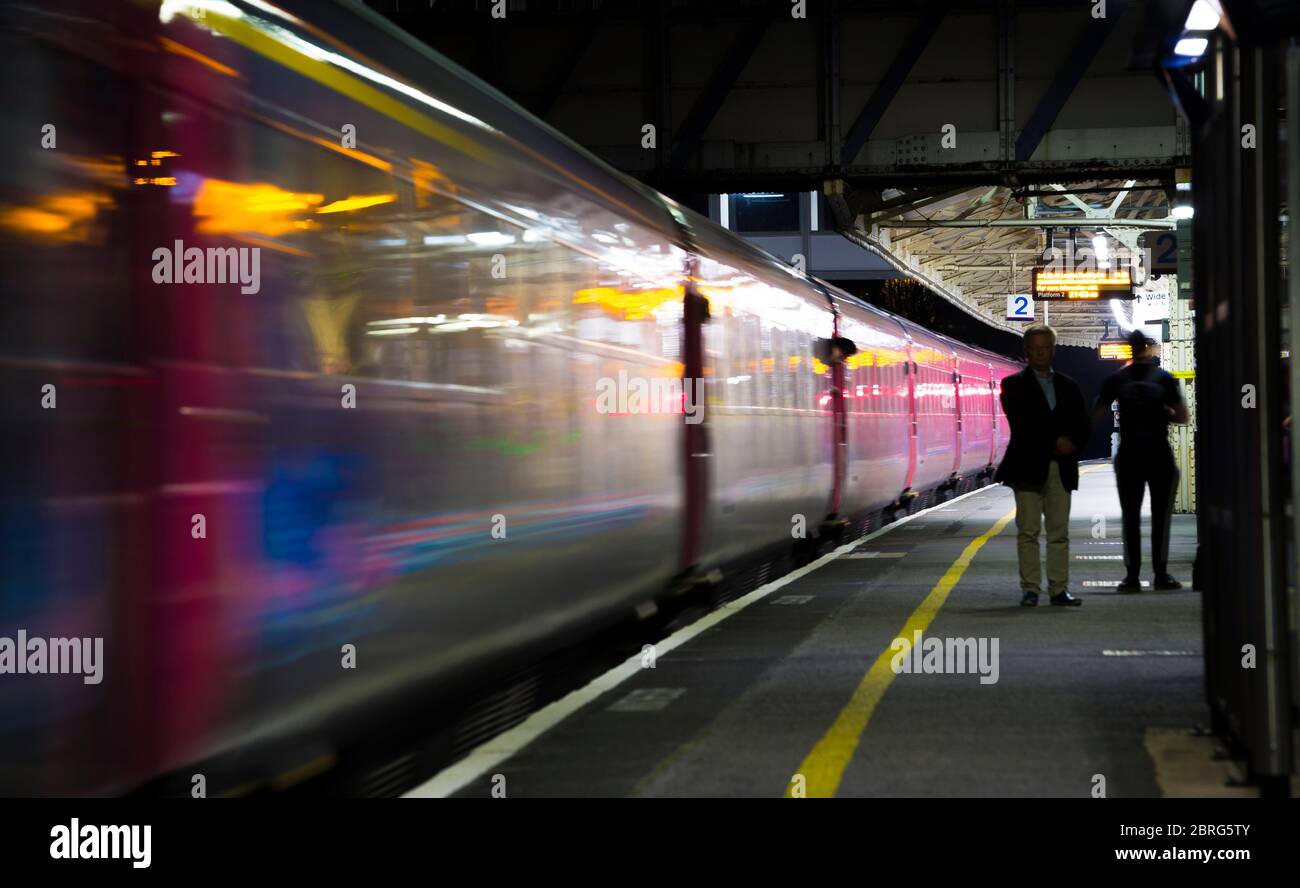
column 1143, row 391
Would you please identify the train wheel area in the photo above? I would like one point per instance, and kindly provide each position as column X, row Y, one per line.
column 805, row 686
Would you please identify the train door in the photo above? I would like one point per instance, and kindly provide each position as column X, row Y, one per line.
column 993, row 415
column 839, row 438
column 958, row 407
column 911, row 409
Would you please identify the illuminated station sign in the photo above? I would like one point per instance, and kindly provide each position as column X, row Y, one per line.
column 1050, row 283
column 1115, row 351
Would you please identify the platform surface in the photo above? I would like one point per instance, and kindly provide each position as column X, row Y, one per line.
column 795, row 691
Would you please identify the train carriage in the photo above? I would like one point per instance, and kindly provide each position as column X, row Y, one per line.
column 412, row 430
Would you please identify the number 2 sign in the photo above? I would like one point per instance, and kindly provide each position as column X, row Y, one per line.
column 1163, row 252
column 1020, row 308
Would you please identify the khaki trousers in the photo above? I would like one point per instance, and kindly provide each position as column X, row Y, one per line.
column 1032, row 506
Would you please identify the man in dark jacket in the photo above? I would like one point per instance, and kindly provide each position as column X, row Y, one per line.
column 1049, row 426
column 1149, row 399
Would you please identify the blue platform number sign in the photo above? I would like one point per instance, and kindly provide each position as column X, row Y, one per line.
column 1162, row 250
column 1020, row 307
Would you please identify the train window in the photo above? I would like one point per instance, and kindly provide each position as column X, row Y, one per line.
column 314, row 235
column 755, row 342
column 367, row 274
column 782, row 392
column 65, row 239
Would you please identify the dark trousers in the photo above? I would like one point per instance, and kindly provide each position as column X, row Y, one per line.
column 1135, row 471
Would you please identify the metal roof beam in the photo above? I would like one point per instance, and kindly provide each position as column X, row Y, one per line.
column 710, row 100
column 1067, row 78
column 888, row 88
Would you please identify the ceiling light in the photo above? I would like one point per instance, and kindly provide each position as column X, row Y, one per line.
column 1191, row 46
column 1204, row 16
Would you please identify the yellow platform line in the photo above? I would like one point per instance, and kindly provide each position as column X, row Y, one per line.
column 824, row 767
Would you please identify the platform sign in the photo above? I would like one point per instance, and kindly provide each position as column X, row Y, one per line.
column 1162, row 251
column 1054, row 284
column 1020, row 307
column 1115, row 351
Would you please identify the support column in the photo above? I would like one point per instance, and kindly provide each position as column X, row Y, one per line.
column 1178, row 356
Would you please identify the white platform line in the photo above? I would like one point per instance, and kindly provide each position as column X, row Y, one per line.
column 488, row 755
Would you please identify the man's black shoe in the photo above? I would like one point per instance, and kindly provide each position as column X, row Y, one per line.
column 1130, row 584
column 1065, row 599
column 1167, row 583
column 1030, row 600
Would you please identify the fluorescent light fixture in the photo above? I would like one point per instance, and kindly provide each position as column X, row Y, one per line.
column 1191, row 46
column 439, row 240
column 1204, row 16
column 393, row 331
column 1182, row 211
column 489, row 239
column 1100, row 248
column 1183, row 186
column 464, row 326
column 406, row 322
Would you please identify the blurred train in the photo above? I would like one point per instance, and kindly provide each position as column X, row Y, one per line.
column 303, row 349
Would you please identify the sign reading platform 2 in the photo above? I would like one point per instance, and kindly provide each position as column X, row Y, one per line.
column 1050, row 283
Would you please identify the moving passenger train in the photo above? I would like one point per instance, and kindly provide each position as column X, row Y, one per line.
column 303, row 351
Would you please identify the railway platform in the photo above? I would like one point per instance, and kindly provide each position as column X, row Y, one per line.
column 807, row 687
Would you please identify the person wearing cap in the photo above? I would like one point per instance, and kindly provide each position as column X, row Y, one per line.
column 1149, row 398
column 1049, row 426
